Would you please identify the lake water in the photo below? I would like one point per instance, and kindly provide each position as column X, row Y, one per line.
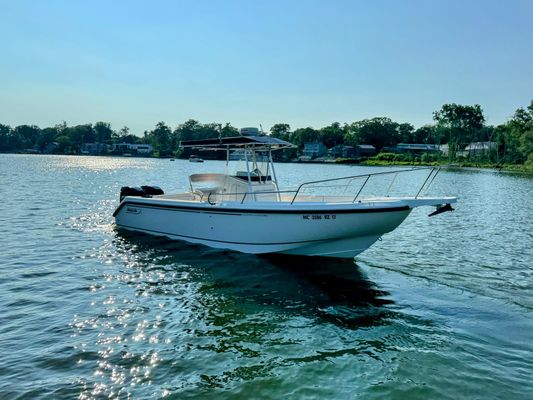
column 441, row 308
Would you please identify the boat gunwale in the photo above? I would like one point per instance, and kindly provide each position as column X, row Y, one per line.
column 332, row 208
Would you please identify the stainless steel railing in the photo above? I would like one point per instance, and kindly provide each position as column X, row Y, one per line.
column 432, row 173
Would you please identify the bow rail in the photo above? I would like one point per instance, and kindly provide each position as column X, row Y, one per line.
column 299, row 195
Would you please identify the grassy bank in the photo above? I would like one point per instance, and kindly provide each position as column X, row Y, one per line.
column 461, row 164
column 381, row 162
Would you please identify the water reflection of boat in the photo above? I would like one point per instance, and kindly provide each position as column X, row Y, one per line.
column 342, row 280
column 334, row 290
column 247, row 212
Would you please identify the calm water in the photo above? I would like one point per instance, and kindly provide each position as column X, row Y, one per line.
column 441, row 308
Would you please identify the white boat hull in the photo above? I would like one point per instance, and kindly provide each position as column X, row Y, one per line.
column 331, row 230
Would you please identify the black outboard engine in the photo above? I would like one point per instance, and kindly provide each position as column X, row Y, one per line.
column 143, row 191
column 152, row 190
column 130, row 191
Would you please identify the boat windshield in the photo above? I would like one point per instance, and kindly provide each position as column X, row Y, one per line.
column 253, row 164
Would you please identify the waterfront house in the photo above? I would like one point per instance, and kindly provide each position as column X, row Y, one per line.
column 133, row 148
column 314, row 150
column 362, row 150
column 416, row 148
column 342, row 150
column 365, row 150
column 480, row 148
column 143, row 149
column 445, row 150
column 93, row 148
column 51, row 148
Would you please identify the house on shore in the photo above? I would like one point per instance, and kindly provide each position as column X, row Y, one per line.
column 417, row 148
column 133, row 148
column 51, row 148
column 365, row 150
column 93, row 148
column 314, row 150
column 480, row 148
column 344, row 151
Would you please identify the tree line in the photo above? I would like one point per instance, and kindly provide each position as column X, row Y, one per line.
column 454, row 124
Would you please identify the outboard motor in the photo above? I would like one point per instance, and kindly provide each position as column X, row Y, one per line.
column 152, row 190
column 130, row 191
column 143, row 191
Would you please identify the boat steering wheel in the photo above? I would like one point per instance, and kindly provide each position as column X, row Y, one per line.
column 209, row 199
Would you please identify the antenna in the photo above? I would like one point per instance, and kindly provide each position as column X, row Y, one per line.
column 261, row 126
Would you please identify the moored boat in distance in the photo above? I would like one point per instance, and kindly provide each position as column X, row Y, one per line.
column 194, row 158
column 246, row 211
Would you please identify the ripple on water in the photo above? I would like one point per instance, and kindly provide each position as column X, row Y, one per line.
column 438, row 309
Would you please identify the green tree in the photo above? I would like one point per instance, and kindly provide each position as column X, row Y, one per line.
column 518, row 146
column 123, row 133
column 48, row 136
column 160, row 139
column 281, row 131
column 5, row 134
column 512, row 138
column 379, row 132
column 194, row 130
column 103, row 132
column 25, row 136
column 406, row 133
column 459, row 124
column 62, row 138
column 304, row 135
column 332, row 135
column 64, row 144
column 426, row 134
column 526, row 146
column 228, row 130
column 466, row 118
column 189, row 130
column 210, row 130
column 80, row 134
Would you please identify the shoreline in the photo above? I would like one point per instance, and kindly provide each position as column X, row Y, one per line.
column 515, row 168
column 457, row 165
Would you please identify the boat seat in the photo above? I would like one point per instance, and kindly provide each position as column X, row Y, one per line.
column 205, row 192
column 215, row 180
column 206, row 177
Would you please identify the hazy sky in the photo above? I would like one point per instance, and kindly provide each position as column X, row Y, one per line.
column 306, row 63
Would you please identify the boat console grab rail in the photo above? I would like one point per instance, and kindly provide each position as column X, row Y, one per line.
column 244, row 194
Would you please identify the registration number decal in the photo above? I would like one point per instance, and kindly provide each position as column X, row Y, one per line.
column 319, row 216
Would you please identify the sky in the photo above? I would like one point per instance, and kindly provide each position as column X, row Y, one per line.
column 305, row 63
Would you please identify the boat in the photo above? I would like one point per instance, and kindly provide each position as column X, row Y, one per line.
column 194, row 158
column 246, row 211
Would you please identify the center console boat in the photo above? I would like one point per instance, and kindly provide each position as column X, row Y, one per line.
column 246, row 211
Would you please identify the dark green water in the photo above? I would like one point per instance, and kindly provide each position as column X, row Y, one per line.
column 440, row 309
